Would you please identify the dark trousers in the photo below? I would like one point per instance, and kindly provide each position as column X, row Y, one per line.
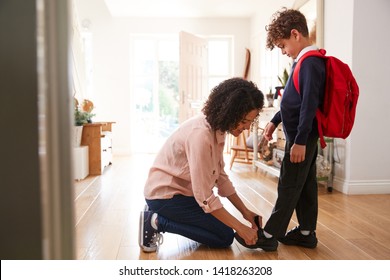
column 297, row 190
column 183, row 215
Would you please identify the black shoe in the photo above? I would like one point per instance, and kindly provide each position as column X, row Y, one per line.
column 257, row 222
column 295, row 237
column 267, row 244
column 148, row 238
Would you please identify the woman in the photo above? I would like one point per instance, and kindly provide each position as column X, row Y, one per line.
column 187, row 177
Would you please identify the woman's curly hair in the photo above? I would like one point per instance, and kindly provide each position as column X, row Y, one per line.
column 283, row 21
column 230, row 101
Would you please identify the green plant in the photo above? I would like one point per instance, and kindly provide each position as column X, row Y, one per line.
column 81, row 116
column 283, row 79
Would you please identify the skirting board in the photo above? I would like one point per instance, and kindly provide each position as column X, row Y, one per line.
column 362, row 186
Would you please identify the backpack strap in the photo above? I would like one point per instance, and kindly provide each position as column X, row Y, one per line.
column 319, row 115
column 319, row 53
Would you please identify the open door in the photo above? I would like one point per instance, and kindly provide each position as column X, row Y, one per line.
column 193, row 75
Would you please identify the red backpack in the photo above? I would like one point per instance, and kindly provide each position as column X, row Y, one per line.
column 336, row 117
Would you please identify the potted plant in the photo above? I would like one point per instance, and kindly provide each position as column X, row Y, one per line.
column 283, row 79
column 82, row 115
column 87, row 107
column 270, row 97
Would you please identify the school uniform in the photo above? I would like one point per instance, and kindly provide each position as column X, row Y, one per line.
column 297, row 185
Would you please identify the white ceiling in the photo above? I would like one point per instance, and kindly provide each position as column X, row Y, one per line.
column 189, row 8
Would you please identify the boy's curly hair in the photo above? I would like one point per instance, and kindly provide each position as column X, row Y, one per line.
column 283, row 21
column 230, row 101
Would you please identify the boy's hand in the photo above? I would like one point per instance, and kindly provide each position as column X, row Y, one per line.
column 268, row 131
column 297, row 153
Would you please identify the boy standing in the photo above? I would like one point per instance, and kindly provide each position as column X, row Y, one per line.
column 297, row 186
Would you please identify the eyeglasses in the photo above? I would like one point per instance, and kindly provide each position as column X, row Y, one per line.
column 246, row 121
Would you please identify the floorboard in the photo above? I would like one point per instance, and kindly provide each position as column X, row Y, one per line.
column 107, row 211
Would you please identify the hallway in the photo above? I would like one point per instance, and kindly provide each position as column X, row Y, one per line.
column 108, row 206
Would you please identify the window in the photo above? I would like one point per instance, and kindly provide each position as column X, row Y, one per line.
column 154, row 67
column 154, row 81
column 220, row 60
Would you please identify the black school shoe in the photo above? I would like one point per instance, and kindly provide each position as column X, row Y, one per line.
column 267, row 244
column 295, row 237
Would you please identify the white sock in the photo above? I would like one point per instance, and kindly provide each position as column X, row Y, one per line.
column 305, row 232
column 267, row 235
column 154, row 221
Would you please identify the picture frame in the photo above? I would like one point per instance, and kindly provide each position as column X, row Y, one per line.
column 314, row 13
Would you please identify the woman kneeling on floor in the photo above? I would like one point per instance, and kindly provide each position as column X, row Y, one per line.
column 179, row 191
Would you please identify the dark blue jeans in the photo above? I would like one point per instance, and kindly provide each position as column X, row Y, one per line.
column 183, row 215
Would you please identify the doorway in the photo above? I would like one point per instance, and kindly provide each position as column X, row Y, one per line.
column 171, row 77
column 154, row 90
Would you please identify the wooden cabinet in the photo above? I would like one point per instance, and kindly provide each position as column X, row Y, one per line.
column 98, row 137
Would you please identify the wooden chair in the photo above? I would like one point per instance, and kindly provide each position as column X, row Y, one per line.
column 239, row 151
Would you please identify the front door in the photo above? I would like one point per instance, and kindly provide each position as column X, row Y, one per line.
column 193, row 75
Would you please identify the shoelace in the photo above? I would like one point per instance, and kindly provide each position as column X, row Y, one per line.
column 157, row 239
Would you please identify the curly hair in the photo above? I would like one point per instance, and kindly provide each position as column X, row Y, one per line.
column 230, row 101
column 283, row 21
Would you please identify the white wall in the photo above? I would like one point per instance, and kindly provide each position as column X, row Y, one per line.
column 112, row 62
column 260, row 59
column 355, row 32
column 339, row 17
column 372, row 66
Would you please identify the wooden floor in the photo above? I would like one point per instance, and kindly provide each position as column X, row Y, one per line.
column 107, row 211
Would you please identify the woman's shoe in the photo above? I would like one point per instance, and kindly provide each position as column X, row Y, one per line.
column 149, row 239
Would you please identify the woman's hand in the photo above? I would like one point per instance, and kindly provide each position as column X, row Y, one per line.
column 251, row 216
column 248, row 234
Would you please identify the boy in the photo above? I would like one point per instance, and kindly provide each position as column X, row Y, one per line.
column 297, row 186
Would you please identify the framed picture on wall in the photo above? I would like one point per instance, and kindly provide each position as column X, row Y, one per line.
column 314, row 13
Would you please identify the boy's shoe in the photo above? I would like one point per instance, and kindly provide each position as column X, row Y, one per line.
column 149, row 238
column 257, row 222
column 295, row 237
column 267, row 244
